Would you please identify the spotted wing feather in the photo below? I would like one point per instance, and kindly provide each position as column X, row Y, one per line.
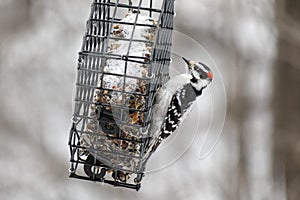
column 172, row 119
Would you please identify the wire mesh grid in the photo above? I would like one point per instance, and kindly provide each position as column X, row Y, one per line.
column 124, row 59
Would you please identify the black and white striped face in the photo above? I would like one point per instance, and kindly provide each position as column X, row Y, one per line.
column 201, row 74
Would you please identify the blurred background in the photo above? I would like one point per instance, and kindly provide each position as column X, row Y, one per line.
column 255, row 45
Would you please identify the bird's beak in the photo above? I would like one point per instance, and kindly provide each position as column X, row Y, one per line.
column 186, row 60
column 189, row 63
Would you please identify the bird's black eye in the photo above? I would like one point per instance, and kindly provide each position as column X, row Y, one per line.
column 201, row 76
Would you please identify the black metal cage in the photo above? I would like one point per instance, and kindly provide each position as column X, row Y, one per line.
column 124, row 59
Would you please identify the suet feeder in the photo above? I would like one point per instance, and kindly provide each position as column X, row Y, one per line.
column 124, row 59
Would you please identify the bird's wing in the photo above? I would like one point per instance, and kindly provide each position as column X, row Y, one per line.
column 172, row 119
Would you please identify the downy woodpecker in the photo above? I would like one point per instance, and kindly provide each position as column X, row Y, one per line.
column 174, row 100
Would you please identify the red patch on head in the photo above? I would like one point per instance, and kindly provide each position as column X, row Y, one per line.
column 210, row 75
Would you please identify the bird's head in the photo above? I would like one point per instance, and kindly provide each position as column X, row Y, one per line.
column 201, row 74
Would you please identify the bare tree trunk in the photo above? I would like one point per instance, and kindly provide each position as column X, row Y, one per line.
column 287, row 101
column 255, row 114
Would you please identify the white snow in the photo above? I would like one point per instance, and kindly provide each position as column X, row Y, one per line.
column 124, row 47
